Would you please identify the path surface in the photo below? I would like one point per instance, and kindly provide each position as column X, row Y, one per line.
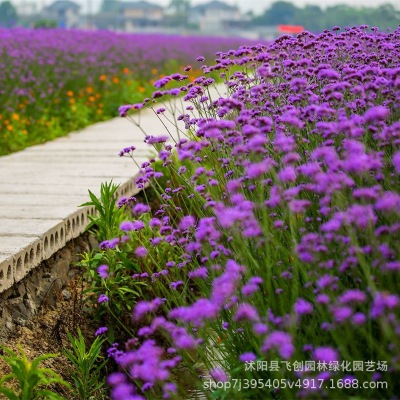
column 42, row 187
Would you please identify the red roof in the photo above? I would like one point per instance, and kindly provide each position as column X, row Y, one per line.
column 290, row 29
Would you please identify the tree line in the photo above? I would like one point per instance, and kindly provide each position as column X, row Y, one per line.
column 316, row 19
column 312, row 17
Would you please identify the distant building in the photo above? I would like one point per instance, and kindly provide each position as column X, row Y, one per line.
column 104, row 20
column 64, row 12
column 26, row 8
column 27, row 14
column 140, row 14
column 215, row 16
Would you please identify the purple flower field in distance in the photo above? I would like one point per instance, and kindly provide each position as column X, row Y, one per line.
column 56, row 81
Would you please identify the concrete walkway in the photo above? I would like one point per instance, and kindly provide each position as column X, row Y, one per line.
column 42, row 187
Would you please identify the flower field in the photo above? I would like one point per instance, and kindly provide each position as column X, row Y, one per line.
column 264, row 260
column 55, row 81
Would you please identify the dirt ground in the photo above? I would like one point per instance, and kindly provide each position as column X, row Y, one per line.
column 47, row 333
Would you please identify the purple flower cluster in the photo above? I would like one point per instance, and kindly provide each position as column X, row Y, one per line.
column 280, row 224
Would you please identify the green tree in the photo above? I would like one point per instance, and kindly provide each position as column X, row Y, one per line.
column 179, row 11
column 8, row 14
column 311, row 17
column 45, row 24
column 344, row 15
column 109, row 6
column 386, row 16
column 280, row 12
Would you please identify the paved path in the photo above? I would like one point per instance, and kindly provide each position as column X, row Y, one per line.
column 42, row 187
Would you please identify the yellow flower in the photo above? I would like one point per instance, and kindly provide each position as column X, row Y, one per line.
column 10, row 128
column 154, row 71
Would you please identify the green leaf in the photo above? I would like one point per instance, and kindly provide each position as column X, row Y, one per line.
column 128, row 290
column 8, row 393
column 48, row 394
column 6, row 378
column 39, row 359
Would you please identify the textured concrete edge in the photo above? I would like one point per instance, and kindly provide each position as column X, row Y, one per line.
column 14, row 267
column 44, row 287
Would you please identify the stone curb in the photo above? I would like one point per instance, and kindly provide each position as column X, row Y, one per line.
column 17, row 261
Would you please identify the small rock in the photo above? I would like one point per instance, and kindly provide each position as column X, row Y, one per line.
column 21, row 290
column 30, row 325
column 66, row 294
column 10, row 326
column 71, row 273
column 26, row 331
column 93, row 243
column 30, row 305
column 60, row 269
column 20, row 321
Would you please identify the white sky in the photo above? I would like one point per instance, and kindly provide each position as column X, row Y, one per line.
column 257, row 6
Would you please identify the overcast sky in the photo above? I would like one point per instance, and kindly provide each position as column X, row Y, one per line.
column 257, row 6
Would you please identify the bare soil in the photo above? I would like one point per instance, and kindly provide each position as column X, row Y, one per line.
column 47, row 333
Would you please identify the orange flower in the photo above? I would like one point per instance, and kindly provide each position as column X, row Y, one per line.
column 141, row 89
column 70, row 93
column 154, row 71
column 103, row 78
column 15, row 117
column 92, row 98
column 10, row 128
column 115, row 80
column 125, row 70
column 89, row 89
